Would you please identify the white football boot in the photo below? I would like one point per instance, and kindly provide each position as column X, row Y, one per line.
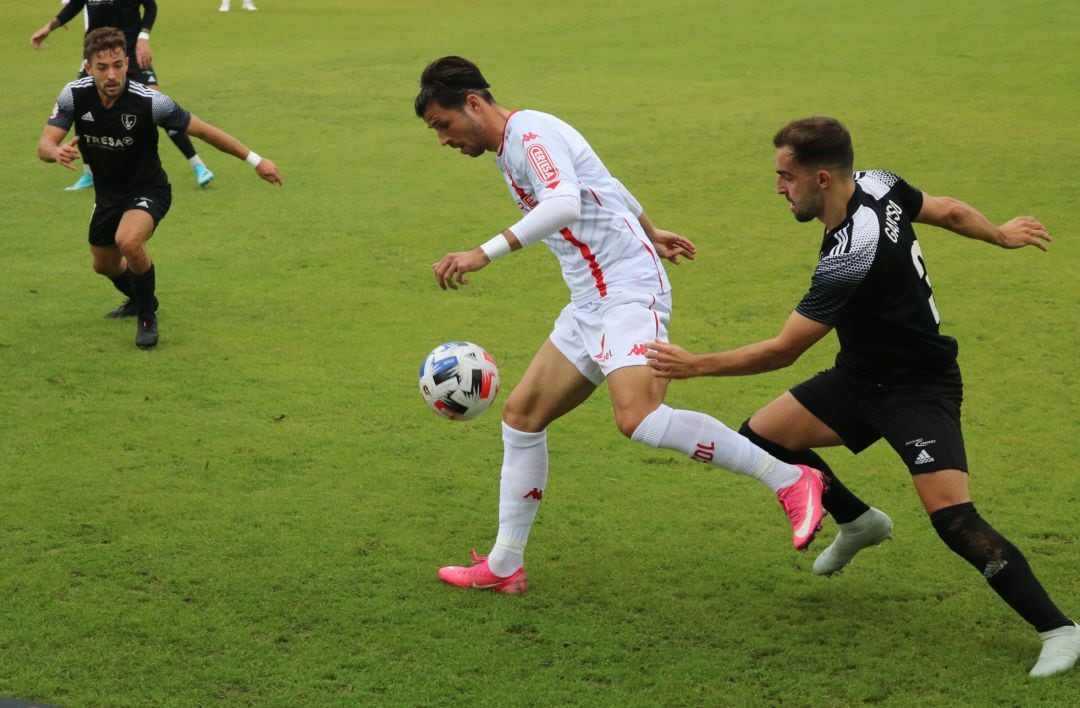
column 1061, row 648
column 870, row 529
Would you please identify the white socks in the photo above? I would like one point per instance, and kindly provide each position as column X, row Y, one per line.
column 706, row 439
column 524, row 476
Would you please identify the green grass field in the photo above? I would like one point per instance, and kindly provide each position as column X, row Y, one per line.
column 253, row 513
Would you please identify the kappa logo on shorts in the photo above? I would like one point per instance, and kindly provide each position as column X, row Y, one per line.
column 128, row 119
column 638, row 350
column 542, row 164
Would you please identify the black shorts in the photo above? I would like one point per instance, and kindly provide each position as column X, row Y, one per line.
column 918, row 416
column 105, row 220
column 145, row 76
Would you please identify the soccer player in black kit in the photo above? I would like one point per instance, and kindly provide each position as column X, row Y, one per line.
column 116, row 123
column 135, row 18
column 896, row 376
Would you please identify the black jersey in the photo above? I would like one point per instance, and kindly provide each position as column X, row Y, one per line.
column 871, row 284
column 129, row 16
column 119, row 143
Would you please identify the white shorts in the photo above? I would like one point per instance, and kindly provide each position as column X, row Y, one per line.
column 612, row 333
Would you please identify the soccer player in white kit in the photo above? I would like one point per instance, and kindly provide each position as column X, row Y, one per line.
column 620, row 298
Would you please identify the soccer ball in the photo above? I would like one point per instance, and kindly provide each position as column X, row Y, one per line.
column 459, row 380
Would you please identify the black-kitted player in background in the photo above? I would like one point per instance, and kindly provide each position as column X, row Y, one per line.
column 135, row 18
column 116, row 123
column 896, row 376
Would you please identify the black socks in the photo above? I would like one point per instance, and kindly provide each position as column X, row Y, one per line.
column 1000, row 562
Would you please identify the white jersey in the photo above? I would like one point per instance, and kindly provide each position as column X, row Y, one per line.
column 606, row 251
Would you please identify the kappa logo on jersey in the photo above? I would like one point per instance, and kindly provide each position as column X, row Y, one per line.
column 529, row 136
column 536, row 493
column 128, row 119
column 541, row 162
column 638, row 350
column 88, row 117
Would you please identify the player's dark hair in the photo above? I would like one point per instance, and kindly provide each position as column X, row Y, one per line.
column 103, row 39
column 447, row 82
column 818, row 141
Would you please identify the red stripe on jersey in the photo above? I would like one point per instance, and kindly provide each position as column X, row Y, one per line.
column 596, row 196
column 652, row 252
column 587, row 254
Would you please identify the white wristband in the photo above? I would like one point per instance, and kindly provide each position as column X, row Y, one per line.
column 144, row 35
column 253, row 158
column 497, row 247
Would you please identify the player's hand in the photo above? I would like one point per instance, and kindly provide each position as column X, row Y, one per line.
column 68, row 153
column 1024, row 231
column 269, row 172
column 143, row 54
column 671, row 246
column 670, row 361
column 450, row 271
column 38, row 37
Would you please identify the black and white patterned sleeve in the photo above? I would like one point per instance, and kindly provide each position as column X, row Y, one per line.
column 880, row 183
column 168, row 113
column 63, row 112
column 842, row 270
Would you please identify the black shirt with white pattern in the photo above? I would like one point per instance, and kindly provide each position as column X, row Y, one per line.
column 119, row 143
column 871, row 284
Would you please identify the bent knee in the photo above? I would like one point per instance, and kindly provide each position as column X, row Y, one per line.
column 519, row 418
column 629, row 421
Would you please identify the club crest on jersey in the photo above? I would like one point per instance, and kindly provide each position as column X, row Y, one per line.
column 128, row 119
column 542, row 164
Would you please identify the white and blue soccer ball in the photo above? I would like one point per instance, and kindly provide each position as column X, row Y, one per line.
column 459, row 380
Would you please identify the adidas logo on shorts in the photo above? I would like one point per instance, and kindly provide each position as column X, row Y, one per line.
column 923, row 458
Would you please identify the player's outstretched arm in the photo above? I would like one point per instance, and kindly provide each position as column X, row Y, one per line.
column 670, row 361
column 226, row 143
column 50, row 148
column 964, row 219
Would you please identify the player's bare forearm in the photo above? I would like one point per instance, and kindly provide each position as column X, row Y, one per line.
column 963, row 219
column 51, row 150
column 671, row 361
column 217, row 137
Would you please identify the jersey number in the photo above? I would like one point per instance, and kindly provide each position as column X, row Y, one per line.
column 920, row 268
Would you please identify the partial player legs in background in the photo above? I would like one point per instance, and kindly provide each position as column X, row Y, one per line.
column 85, row 181
column 183, row 143
column 248, row 5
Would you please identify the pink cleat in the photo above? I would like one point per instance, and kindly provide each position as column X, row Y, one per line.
column 802, row 504
column 478, row 576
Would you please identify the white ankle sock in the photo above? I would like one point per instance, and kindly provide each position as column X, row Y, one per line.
column 524, row 476
column 706, row 439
